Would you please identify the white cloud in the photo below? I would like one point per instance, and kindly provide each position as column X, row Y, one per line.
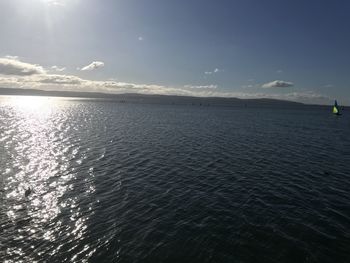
column 140, row 38
column 249, row 86
column 12, row 57
column 11, row 66
column 56, row 68
column 278, row 84
column 279, row 71
column 201, row 87
column 93, row 65
column 329, row 86
column 216, row 70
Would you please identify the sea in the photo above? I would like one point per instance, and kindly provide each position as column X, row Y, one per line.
column 84, row 180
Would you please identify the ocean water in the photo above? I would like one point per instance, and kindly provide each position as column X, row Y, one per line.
column 116, row 182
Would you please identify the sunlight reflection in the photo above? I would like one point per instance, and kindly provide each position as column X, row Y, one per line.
column 32, row 103
column 33, row 155
column 39, row 157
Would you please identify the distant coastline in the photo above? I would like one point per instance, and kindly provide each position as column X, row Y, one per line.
column 161, row 99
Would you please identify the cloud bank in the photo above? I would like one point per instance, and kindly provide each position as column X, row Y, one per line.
column 17, row 74
column 12, row 66
column 277, row 84
column 201, row 87
column 94, row 65
column 12, row 57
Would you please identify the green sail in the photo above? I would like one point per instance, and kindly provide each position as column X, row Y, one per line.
column 335, row 110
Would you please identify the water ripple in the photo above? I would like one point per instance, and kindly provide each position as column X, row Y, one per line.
column 149, row 183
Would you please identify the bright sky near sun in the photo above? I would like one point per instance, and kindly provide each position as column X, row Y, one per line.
column 295, row 50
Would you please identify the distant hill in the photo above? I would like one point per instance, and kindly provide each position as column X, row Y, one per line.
column 158, row 99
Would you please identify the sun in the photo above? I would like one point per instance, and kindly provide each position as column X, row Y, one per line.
column 54, row 2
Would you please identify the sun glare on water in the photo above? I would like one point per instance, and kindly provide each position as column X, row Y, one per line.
column 39, row 157
column 33, row 103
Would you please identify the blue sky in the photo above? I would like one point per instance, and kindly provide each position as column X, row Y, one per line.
column 297, row 50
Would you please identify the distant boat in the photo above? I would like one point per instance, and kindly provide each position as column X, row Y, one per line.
column 336, row 110
column 27, row 192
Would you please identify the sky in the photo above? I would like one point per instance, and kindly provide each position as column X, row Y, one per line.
column 285, row 49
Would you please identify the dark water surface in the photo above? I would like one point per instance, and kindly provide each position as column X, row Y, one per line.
column 150, row 183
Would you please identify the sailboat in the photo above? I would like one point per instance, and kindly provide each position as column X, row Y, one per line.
column 336, row 110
